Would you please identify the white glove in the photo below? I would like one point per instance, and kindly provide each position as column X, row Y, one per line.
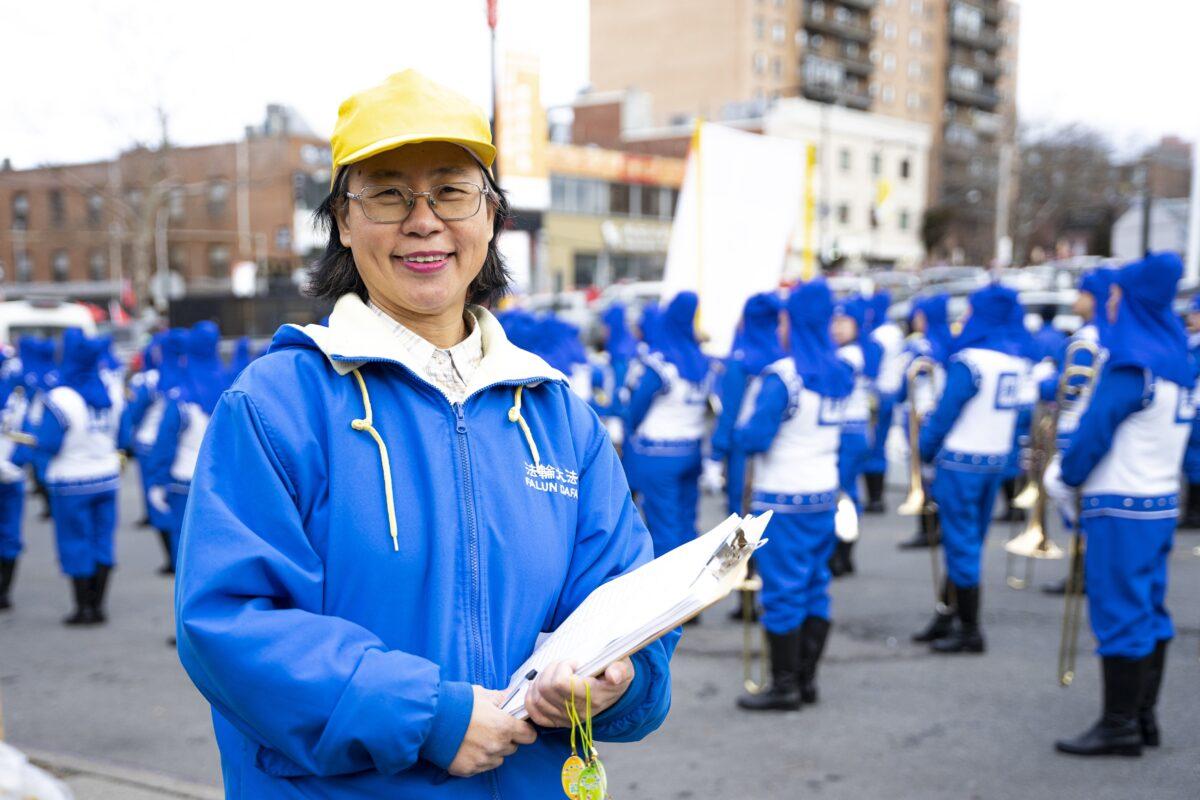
column 616, row 430
column 157, row 497
column 1063, row 496
column 712, row 476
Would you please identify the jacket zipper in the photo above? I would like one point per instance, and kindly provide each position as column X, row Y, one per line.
column 464, row 456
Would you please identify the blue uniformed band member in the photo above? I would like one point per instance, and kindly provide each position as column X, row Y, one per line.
column 78, row 436
column 1124, row 458
column 668, row 415
column 389, row 509
column 864, row 355
column 793, row 433
column 13, row 403
column 890, row 338
column 1191, row 460
column 970, row 436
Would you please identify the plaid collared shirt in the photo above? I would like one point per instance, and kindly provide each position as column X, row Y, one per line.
column 450, row 370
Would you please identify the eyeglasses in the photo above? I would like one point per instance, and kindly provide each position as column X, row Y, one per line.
column 391, row 204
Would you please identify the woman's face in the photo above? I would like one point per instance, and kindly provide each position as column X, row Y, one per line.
column 423, row 265
column 843, row 329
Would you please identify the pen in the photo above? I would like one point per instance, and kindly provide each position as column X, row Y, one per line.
column 528, row 677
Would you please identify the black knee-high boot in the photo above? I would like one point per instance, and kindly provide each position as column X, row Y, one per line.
column 1191, row 509
column 813, row 634
column 784, row 692
column 874, row 483
column 168, row 567
column 8, row 573
column 81, row 590
column 967, row 637
column 99, row 588
column 1147, row 719
column 1117, row 731
column 942, row 624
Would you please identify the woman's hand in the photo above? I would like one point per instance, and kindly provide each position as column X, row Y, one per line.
column 492, row 736
column 547, row 698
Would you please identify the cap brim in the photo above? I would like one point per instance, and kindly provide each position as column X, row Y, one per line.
column 486, row 153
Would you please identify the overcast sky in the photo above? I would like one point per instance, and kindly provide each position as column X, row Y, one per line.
column 82, row 77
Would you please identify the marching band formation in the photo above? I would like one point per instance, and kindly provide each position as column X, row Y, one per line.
column 374, row 522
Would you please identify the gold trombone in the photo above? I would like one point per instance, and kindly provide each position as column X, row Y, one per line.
column 754, row 680
column 1073, row 594
column 918, row 500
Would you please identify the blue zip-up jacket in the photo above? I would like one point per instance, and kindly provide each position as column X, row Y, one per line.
column 338, row 594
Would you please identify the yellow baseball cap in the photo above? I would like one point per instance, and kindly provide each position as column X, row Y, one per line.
column 405, row 109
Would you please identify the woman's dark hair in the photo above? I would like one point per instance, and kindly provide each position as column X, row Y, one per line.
column 334, row 273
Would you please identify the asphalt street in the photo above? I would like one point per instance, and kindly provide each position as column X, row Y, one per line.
column 111, row 710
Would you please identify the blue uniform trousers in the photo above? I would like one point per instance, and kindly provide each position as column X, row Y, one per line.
column 84, row 525
column 669, row 489
column 876, row 460
column 12, row 505
column 1126, row 568
column 852, row 454
column 794, row 566
column 156, row 517
column 965, row 501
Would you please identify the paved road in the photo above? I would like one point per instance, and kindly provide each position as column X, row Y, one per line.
column 893, row 722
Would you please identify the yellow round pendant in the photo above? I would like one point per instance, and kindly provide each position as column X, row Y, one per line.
column 593, row 783
column 572, row 768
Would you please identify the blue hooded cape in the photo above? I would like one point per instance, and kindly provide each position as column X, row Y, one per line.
column 859, row 309
column 1098, row 283
column 620, row 343
column 80, row 368
column 650, row 324
column 1147, row 334
column 557, row 341
column 757, row 343
column 879, row 304
column 37, row 361
column 174, row 360
column 810, row 308
column 676, row 338
column 993, row 322
column 204, row 376
column 937, row 328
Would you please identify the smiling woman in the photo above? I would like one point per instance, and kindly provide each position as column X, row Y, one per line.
column 363, row 564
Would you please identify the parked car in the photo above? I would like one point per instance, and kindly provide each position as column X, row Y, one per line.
column 42, row 318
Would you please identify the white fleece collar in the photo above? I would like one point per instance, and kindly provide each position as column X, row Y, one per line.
column 355, row 336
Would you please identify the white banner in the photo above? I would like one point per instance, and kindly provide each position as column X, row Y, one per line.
column 738, row 207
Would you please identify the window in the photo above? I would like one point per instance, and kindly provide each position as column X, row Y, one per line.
column 965, row 77
column 889, row 30
column 844, row 160
column 134, row 198
column 888, row 94
column 97, row 265
column 651, row 201
column 913, row 101
column 843, row 15
column 914, row 70
column 218, row 197
column 585, row 268
column 852, row 50
column 843, row 214
column 905, row 169
column 876, row 165
column 618, row 198
column 777, row 67
column 58, row 209
column 760, row 63
column 966, row 19
column 916, row 7
column 914, row 37
column 760, row 27
column 818, row 9
column 24, row 267
column 95, row 208
column 778, row 33
column 889, row 62
column 20, row 211
column 60, row 266
column 177, row 259
column 903, row 220
column 218, row 261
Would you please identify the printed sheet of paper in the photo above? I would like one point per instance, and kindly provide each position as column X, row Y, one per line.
column 624, row 613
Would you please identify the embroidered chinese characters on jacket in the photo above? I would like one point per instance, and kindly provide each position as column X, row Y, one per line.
column 551, row 479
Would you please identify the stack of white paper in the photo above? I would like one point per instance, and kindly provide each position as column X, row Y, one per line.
column 629, row 612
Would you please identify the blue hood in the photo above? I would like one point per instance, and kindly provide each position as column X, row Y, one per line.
column 650, row 323
column 676, row 338
column 1098, row 283
column 757, row 342
column 558, row 342
column 992, row 324
column 205, row 377
column 810, row 309
column 859, row 310
column 937, row 326
column 80, row 368
column 620, row 342
column 1147, row 334
column 37, row 361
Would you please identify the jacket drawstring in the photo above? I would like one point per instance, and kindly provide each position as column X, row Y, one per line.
column 364, row 424
column 514, row 415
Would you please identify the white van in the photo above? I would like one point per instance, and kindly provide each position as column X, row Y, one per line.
column 42, row 318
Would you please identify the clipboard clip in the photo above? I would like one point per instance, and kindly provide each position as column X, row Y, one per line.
column 732, row 552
